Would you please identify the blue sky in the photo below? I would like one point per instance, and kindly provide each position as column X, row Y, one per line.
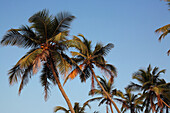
column 128, row 24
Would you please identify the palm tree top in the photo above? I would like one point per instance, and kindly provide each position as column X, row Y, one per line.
column 45, row 35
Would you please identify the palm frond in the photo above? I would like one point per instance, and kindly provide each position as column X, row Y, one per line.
column 25, row 77
column 104, row 50
column 134, row 86
column 30, row 58
column 57, row 108
column 59, row 37
column 74, row 73
column 101, row 102
column 78, row 44
column 23, row 37
column 14, row 74
column 95, row 91
column 61, row 63
column 77, row 54
column 165, row 30
column 62, row 22
column 86, row 73
column 46, row 75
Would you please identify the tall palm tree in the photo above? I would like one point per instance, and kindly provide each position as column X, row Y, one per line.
column 165, row 30
column 151, row 86
column 130, row 101
column 88, row 59
column 77, row 108
column 108, row 86
column 46, row 38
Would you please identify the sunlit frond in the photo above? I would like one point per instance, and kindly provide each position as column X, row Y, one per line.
column 165, row 30
column 30, row 58
column 77, row 54
column 59, row 37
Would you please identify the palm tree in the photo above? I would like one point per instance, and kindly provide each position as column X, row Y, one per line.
column 77, row 108
column 88, row 60
column 165, row 31
column 46, row 38
column 130, row 101
column 152, row 87
column 108, row 86
column 163, row 94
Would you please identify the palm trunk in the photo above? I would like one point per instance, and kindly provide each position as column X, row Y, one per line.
column 107, row 109
column 132, row 109
column 108, row 96
column 111, row 107
column 60, row 87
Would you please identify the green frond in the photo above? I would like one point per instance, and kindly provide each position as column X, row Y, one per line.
column 59, row 37
column 30, row 58
column 158, row 74
column 62, row 63
column 87, row 44
column 77, row 54
column 78, row 44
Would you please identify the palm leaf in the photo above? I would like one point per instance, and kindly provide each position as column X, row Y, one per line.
column 29, row 59
column 57, row 108
column 25, row 78
column 164, row 29
column 63, row 21
column 104, row 50
column 23, row 37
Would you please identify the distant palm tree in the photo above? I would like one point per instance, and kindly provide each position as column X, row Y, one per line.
column 46, row 38
column 77, row 108
column 108, row 86
column 165, row 31
column 89, row 59
column 130, row 101
column 152, row 87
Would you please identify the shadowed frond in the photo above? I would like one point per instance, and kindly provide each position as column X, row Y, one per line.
column 25, row 78
column 103, row 50
column 14, row 74
column 23, row 37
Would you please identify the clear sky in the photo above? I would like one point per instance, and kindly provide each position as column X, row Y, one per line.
column 128, row 24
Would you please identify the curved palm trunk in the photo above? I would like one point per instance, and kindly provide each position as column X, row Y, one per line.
column 105, row 91
column 60, row 87
column 111, row 107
